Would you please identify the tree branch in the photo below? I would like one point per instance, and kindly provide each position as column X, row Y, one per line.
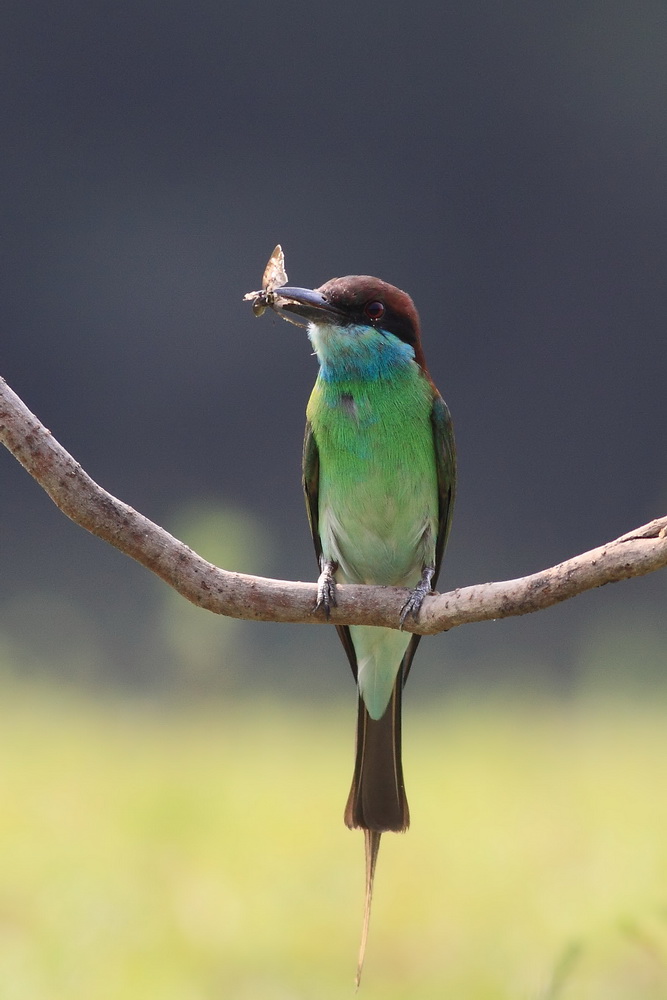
column 259, row 599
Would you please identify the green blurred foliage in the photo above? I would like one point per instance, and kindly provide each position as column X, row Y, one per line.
column 205, row 649
column 174, row 644
column 199, row 853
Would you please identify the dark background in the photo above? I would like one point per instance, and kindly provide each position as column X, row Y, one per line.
column 505, row 163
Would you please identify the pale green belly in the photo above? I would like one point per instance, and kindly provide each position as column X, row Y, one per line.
column 378, row 511
column 375, row 538
column 377, row 534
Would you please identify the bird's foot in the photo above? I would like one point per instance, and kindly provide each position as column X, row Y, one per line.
column 414, row 602
column 326, row 587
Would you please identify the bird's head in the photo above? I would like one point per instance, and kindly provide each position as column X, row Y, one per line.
column 357, row 322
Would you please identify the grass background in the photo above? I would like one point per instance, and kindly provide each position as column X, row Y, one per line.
column 195, row 852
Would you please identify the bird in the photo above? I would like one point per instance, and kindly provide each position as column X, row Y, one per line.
column 379, row 478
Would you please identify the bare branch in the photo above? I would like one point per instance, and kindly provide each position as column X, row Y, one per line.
column 257, row 598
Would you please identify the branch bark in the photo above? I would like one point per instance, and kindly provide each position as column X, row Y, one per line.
column 238, row 595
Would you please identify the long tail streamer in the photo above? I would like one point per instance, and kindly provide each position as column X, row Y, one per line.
column 372, row 845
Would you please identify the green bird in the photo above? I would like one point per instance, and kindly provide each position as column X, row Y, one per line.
column 379, row 472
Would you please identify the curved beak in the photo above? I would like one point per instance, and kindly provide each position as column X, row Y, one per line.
column 307, row 303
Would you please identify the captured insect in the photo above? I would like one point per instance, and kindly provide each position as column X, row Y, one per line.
column 274, row 276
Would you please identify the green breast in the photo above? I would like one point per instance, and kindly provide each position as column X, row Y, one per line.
column 378, row 503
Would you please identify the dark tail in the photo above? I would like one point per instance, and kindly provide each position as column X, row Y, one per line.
column 377, row 798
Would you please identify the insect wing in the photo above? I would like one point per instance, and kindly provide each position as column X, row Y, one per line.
column 275, row 274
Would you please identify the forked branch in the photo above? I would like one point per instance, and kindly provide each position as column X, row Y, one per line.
column 240, row 596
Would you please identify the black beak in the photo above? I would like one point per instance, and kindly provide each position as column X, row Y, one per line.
column 307, row 303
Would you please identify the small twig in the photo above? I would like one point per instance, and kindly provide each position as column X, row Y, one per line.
column 240, row 596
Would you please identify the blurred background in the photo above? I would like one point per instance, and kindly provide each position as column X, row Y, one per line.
column 505, row 163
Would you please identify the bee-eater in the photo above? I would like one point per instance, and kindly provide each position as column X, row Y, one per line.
column 379, row 473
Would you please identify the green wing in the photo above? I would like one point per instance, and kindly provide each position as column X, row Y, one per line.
column 311, row 485
column 445, row 463
column 445, row 460
column 311, row 489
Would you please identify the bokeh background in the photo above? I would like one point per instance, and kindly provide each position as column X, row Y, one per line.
column 506, row 164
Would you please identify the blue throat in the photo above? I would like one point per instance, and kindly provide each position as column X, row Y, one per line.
column 358, row 352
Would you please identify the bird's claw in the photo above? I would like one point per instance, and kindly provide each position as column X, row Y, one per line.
column 413, row 605
column 326, row 589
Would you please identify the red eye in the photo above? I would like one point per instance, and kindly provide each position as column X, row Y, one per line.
column 374, row 310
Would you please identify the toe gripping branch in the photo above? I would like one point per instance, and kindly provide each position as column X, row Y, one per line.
column 326, row 591
column 326, row 586
column 414, row 602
